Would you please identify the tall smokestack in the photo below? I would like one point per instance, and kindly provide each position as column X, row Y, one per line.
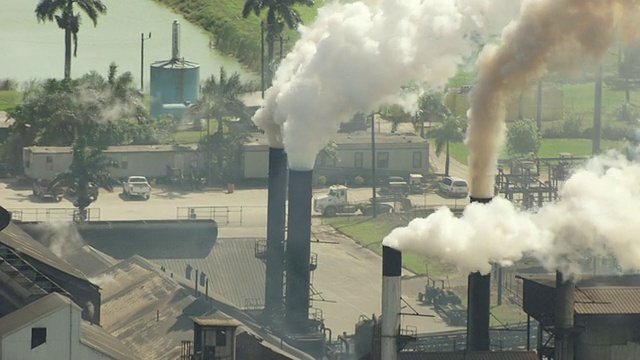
column 478, row 304
column 565, row 297
column 175, row 40
column 391, row 288
column 276, row 209
column 298, row 250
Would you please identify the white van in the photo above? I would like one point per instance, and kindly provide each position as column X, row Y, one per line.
column 453, row 186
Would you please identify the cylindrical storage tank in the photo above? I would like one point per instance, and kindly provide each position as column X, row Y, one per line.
column 173, row 82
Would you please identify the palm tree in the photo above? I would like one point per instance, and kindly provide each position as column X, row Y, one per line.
column 89, row 169
column 279, row 12
column 220, row 100
column 63, row 13
column 431, row 109
column 451, row 130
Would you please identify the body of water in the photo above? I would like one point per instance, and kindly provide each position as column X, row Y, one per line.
column 33, row 50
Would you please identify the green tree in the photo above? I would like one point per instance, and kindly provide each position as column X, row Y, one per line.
column 279, row 13
column 63, row 12
column 451, row 129
column 220, row 100
column 523, row 138
column 431, row 108
column 88, row 167
column 629, row 68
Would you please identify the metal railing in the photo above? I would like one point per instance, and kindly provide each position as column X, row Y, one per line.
column 53, row 214
column 223, row 215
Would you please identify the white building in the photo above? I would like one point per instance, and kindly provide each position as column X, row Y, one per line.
column 45, row 162
column 396, row 154
column 51, row 328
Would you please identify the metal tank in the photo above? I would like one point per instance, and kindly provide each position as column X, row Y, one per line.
column 174, row 82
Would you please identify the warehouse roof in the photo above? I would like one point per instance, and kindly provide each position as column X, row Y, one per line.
column 463, row 355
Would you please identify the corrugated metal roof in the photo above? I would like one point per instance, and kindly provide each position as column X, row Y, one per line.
column 463, row 355
column 13, row 237
column 146, row 309
column 98, row 339
column 355, row 137
column 33, row 311
column 607, row 300
column 90, row 261
column 233, row 271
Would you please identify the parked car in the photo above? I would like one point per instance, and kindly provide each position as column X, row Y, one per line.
column 454, row 186
column 136, row 186
column 41, row 188
column 92, row 190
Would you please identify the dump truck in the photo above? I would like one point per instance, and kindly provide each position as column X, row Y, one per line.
column 336, row 201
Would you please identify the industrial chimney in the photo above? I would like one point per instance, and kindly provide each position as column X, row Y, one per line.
column 175, row 40
column 276, row 210
column 391, row 289
column 298, row 250
column 478, row 305
column 564, row 317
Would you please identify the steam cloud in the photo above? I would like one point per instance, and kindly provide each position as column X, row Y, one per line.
column 357, row 55
column 554, row 34
column 62, row 238
column 595, row 213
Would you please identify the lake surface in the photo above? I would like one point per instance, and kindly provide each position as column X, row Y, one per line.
column 29, row 49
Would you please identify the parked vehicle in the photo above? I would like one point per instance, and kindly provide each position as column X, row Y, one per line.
column 454, row 186
column 416, row 184
column 42, row 190
column 337, row 202
column 395, row 186
column 92, row 190
column 136, row 186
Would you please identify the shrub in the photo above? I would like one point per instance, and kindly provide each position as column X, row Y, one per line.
column 321, row 180
column 359, row 180
column 572, row 126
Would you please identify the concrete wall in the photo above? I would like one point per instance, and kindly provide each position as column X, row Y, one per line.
column 62, row 339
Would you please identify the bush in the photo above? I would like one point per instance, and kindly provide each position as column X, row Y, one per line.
column 358, row 181
column 321, row 180
column 572, row 126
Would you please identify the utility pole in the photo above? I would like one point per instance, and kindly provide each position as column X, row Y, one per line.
column 142, row 39
column 373, row 165
column 262, row 25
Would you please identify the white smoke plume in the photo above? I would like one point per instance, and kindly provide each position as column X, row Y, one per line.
column 356, row 55
column 62, row 238
column 554, row 34
column 596, row 214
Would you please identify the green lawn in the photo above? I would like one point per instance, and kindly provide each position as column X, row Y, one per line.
column 187, row 137
column 370, row 232
column 549, row 148
column 9, row 99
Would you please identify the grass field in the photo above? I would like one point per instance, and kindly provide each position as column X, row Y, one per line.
column 370, row 232
column 548, row 148
column 9, row 99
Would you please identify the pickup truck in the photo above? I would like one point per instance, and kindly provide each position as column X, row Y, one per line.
column 337, row 202
column 136, row 186
column 41, row 189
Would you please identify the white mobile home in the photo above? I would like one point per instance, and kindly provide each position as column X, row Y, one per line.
column 45, row 162
column 396, row 154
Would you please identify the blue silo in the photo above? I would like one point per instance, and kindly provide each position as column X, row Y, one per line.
column 174, row 82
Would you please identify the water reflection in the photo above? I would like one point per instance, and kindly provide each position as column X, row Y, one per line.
column 36, row 50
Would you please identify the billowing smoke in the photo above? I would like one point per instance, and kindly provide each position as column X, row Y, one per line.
column 61, row 237
column 357, row 55
column 596, row 215
column 554, row 34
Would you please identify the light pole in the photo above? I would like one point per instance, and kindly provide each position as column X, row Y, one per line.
column 142, row 39
column 262, row 28
column 373, row 165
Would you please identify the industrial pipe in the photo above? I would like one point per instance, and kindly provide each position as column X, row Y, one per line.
column 391, row 289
